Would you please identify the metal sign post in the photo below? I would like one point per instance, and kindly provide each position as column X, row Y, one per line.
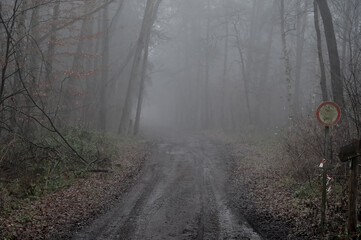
column 328, row 114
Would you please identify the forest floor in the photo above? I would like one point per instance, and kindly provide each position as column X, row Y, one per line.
column 209, row 186
column 183, row 192
column 268, row 196
column 86, row 197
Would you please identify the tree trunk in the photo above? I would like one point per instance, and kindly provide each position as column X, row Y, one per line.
column 286, row 63
column 51, row 45
column 262, row 83
column 105, row 73
column 345, row 36
column 89, row 81
column 124, row 121
column 34, row 51
column 224, row 78
column 336, row 79
column 19, row 56
column 300, row 29
column 352, row 204
column 206, row 117
column 320, row 54
column 244, row 74
column 144, row 69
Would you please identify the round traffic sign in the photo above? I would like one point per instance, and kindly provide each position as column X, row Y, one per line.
column 328, row 113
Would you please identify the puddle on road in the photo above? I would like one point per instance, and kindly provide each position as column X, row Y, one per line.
column 179, row 152
column 171, row 152
column 163, row 145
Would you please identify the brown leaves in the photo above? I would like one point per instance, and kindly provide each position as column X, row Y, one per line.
column 273, row 189
column 45, row 217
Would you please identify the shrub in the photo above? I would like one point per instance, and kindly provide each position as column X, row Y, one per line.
column 29, row 168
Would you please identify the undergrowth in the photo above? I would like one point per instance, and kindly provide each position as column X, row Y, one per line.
column 43, row 163
column 285, row 166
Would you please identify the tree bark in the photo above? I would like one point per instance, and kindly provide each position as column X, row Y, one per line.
column 352, row 204
column 51, row 45
column 300, row 31
column 336, row 79
column 287, row 64
column 320, row 54
column 34, row 51
column 345, row 36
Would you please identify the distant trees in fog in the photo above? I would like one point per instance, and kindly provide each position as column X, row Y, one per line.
column 264, row 63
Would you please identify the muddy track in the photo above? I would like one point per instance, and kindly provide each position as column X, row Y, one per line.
column 181, row 194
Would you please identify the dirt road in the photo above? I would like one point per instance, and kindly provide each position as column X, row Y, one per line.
column 181, row 194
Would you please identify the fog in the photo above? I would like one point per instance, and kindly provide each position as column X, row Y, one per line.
column 180, row 119
column 202, row 51
column 192, row 65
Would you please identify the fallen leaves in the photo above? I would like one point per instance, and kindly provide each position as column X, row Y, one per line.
column 271, row 191
column 45, row 217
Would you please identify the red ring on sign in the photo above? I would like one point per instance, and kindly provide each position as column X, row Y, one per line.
column 338, row 113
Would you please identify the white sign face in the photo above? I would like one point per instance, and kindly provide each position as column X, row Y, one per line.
column 328, row 113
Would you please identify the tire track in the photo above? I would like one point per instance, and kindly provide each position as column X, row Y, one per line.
column 180, row 195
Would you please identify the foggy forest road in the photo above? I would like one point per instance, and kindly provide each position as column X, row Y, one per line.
column 181, row 194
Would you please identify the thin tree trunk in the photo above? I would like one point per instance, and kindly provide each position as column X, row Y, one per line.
column 262, row 83
column 246, row 86
column 93, row 103
column 89, row 81
column 224, row 78
column 19, row 56
column 320, row 54
column 336, row 79
column 51, row 45
column 244, row 74
column 34, row 56
column 301, row 26
column 33, row 63
column 345, row 36
column 206, row 79
column 286, row 64
column 105, row 73
column 141, row 89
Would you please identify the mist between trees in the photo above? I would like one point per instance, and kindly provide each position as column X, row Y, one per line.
column 195, row 65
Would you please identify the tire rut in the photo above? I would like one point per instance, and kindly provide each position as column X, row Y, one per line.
column 180, row 195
